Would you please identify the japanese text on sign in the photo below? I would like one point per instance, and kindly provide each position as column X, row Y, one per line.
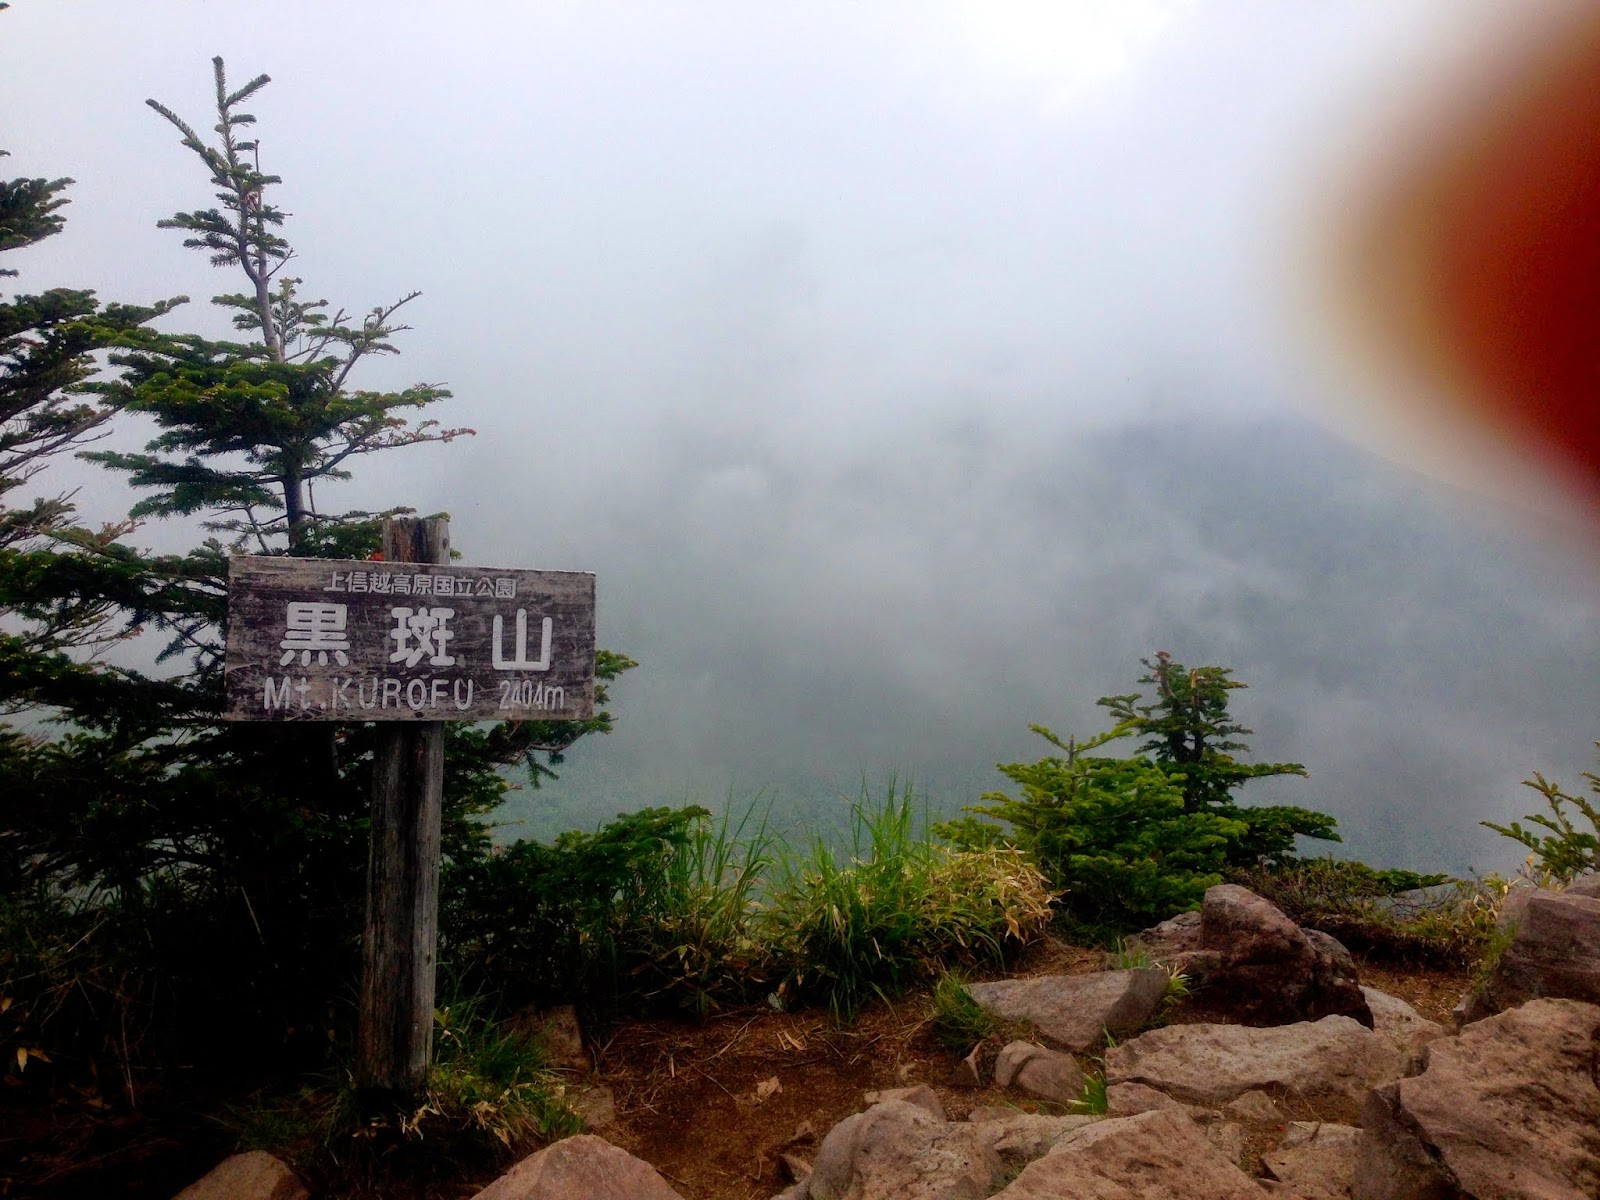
column 314, row 640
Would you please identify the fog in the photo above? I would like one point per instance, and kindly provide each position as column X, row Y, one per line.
column 905, row 372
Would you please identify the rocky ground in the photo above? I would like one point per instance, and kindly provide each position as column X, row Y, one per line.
column 687, row 1096
column 1290, row 1070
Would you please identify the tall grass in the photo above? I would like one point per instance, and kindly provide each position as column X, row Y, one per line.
column 680, row 909
column 894, row 907
column 695, row 942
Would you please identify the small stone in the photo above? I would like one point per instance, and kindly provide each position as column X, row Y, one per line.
column 1045, row 1074
column 584, row 1166
column 1255, row 1107
column 1228, row 1137
column 253, row 1176
column 596, row 1105
column 968, row 1073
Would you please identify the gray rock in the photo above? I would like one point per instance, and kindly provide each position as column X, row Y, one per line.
column 1316, row 1161
column 1159, row 1154
column 1130, row 1099
column 584, row 1166
column 920, row 1094
column 1403, row 1025
column 1254, row 1107
column 1554, row 953
column 1077, row 1011
column 1584, row 885
column 899, row 1150
column 1509, row 1110
column 1163, row 942
column 968, row 1073
column 1044, row 1074
column 1269, row 970
column 1333, row 1059
column 1228, row 1137
column 256, row 1175
column 596, row 1105
column 1020, row 1137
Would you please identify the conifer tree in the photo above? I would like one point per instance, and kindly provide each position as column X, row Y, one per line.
column 1193, row 738
column 47, row 345
column 236, row 852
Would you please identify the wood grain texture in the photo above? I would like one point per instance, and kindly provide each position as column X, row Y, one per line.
column 399, row 944
column 323, row 640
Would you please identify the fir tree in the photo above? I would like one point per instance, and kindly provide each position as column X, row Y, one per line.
column 48, row 342
column 1193, row 737
column 234, row 854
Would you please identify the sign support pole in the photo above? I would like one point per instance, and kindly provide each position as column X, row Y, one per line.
column 399, row 943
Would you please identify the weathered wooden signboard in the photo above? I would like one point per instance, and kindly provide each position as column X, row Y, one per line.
column 321, row 640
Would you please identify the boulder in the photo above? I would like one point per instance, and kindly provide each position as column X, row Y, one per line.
column 1403, row 1025
column 1131, row 1099
column 1166, row 942
column 585, row 1166
column 1044, row 1074
column 1555, row 952
column 253, row 1176
column 1077, row 1011
column 920, row 1094
column 1268, row 971
column 595, row 1105
column 1334, row 1059
column 1155, row 1154
column 1020, row 1137
column 1584, row 885
column 1316, row 1160
column 900, row 1150
column 1509, row 1110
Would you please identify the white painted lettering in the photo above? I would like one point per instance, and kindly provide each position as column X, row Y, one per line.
column 520, row 662
column 463, row 703
column 391, row 691
column 417, row 694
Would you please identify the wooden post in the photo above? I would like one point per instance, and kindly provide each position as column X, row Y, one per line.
column 399, row 945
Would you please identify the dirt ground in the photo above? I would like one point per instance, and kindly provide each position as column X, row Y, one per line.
column 697, row 1100
column 713, row 1105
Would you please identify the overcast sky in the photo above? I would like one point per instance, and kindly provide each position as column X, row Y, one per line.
column 905, row 371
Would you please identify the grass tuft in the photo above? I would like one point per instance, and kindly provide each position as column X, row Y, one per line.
column 959, row 1020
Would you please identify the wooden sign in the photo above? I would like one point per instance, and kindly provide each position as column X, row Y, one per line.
column 320, row 640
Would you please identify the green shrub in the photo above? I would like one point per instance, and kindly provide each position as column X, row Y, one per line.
column 695, row 946
column 1130, row 841
column 489, row 1092
column 538, row 923
column 958, row 1019
column 1566, row 852
column 1111, row 833
column 896, row 910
